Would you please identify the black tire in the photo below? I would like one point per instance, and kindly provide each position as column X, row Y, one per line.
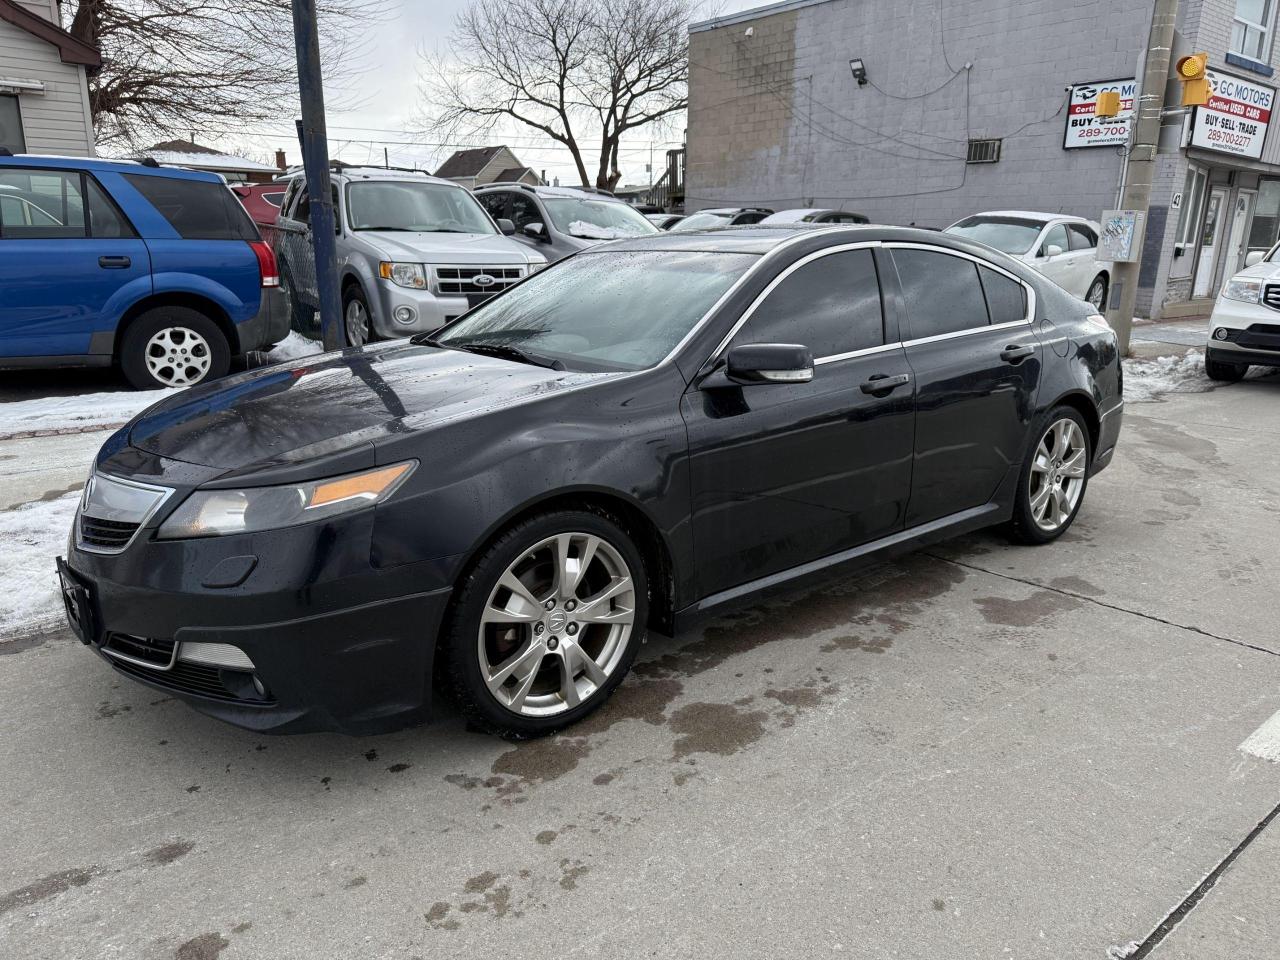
column 301, row 318
column 460, row 644
column 1101, row 286
column 1222, row 370
column 195, row 345
column 353, row 294
column 1023, row 527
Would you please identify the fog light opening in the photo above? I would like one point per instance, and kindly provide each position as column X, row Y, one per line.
column 405, row 314
column 1220, row 333
column 259, row 686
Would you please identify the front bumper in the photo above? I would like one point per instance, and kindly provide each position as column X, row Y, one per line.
column 1251, row 333
column 269, row 326
column 336, row 642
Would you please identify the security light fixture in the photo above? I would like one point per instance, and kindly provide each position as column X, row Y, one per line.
column 859, row 71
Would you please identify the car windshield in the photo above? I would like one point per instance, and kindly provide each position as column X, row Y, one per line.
column 1007, row 234
column 701, row 221
column 417, row 207
column 623, row 310
column 596, row 219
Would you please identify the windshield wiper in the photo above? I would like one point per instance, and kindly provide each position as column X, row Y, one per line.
column 502, row 350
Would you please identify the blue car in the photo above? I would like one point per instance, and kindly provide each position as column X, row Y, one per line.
column 158, row 270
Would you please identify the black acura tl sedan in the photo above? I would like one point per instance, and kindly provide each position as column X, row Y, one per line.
column 636, row 435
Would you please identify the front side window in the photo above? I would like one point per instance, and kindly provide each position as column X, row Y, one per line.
column 524, row 211
column 1251, row 29
column 942, row 293
column 830, row 305
column 414, row 207
column 623, row 310
column 495, row 204
column 41, row 205
column 196, row 209
column 302, row 213
column 1056, row 237
column 596, row 219
column 11, row 125
column 1012, row 235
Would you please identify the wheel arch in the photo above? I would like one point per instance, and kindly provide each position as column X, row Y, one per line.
column 192, row 301
column 1085, row 406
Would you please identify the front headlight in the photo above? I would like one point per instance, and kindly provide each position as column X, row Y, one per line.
column 217, row 513
column 404, row 274
column 1245, row 289
column 536, row 265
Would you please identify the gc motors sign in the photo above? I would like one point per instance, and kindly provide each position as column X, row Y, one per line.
column 1086, row 130
column 1236, row 117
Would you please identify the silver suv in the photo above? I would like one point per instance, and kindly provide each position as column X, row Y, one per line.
column 414, row 252
column 558, row 221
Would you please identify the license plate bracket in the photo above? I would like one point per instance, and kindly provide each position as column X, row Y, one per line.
column 77, row 601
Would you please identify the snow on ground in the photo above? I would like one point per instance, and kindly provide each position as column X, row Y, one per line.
column 1148, row 380
column 33, row 535
column 294, row 346
column 76, row 414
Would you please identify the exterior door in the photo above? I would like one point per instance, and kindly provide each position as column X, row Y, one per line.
column 785, row 473
column 1056, row 266
column 1210, row 242
column 976, row 363
column 70, row 264
column 1237, row 242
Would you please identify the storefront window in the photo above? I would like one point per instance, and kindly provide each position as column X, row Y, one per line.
column 1266, row 216
column 11, row 126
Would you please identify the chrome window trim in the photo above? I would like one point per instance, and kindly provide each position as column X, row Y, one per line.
column 864, row 352
column 165, row 494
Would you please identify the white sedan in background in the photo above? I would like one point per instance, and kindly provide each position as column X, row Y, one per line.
column 1061, row 247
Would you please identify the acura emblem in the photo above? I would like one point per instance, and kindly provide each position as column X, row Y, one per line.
column 483, row 280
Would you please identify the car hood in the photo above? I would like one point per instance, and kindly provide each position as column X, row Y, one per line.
column 1260, row 271
column 288, row 414
column 465, row 248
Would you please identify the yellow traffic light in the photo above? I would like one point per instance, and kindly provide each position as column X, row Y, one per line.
column 1195, row 84
column 1107, row 104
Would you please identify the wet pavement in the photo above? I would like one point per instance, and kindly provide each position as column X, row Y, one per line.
column 979, row 751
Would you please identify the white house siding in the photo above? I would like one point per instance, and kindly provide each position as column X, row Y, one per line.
column 56, row 121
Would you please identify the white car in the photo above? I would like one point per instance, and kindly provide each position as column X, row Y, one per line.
column 1061, row 247
column 1244, row 328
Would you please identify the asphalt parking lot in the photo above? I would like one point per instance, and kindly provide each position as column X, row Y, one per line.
column 980, row 751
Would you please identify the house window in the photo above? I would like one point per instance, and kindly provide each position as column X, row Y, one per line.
column 983, row 151
column 1251, row 29
column 11, row 125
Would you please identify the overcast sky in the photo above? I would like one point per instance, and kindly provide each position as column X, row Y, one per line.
column 386, row 105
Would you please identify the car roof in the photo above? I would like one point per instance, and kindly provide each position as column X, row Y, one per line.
column 1028, row 215
column 761, row 238
column 105, row 165
column 568, row 193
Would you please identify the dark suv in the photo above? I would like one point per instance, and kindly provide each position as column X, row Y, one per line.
column 158, row 270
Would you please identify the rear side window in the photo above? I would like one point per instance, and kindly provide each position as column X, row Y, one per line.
column 41, row 205
column 197, row 209
column 942, row 293
column 1081, row 237
column 1006, row 299
column 830, row 305
column 105, row 219
column 274, row 199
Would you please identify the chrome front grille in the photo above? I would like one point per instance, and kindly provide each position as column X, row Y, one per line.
column 475, row 281
column 106, row 534
column 112, row 511
column 1271, row 296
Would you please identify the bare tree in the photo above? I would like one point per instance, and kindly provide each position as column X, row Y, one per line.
column 570, row 69
column 173, row 66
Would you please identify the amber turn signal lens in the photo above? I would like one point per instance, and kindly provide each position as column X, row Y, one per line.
column 366, row 486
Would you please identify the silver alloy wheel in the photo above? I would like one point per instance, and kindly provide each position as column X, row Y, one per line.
column 178, row 356
column 556, row 624
column 1097, row 293
column 357, row 324
column 1057, row 474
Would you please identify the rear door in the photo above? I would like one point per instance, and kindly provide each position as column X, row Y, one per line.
column 976, row 363
column 1056, row 266
column 70, row 264
column 1084, row 261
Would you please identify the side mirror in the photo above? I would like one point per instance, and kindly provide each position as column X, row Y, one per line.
column 1052, row 250
column 1254, row 257
column 769, row 363
column 535, row 231
column 507, row 227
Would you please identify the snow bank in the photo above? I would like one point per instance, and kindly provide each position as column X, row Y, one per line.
column 32, row 534
column 593, row 231
column 1148, row 380
column 77, row 414
column 293, row 347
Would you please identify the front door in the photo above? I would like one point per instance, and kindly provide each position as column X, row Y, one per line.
column 976, row 362
column 785, row 473
column 1237, row 242
column 1210, row 242
column 70, row 264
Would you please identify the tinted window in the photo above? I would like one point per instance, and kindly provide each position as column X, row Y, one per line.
column 942, row 293
column 273, row 198
column 605, row 311
column 524, row 211
column 302, row 213
column 41, row 205
column 495, row 203
column 1006, row 299
column 1057, row 237
column 105, row 220
column 1081, row 237
column 197, row 209
column 754, row 217
column 831, row 305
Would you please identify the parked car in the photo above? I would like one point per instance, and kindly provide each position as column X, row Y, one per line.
column 262, row 202
column 559, row 221
column 1063, row 248
column 414, row 252
column 664, row 221
column 639, row 434
column 1244, row 329
column 157, row 270
column 815, row 215
column 722, row 217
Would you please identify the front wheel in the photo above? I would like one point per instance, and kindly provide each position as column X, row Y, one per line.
column 173, row 347
column 356, row 316
column 1222, row 370
column 1097, row 295
column 1054, row 476
column 546, row 624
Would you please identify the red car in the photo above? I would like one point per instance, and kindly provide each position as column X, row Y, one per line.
column 262, row 202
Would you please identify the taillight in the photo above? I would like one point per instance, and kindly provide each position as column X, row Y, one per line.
column 267, row 269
